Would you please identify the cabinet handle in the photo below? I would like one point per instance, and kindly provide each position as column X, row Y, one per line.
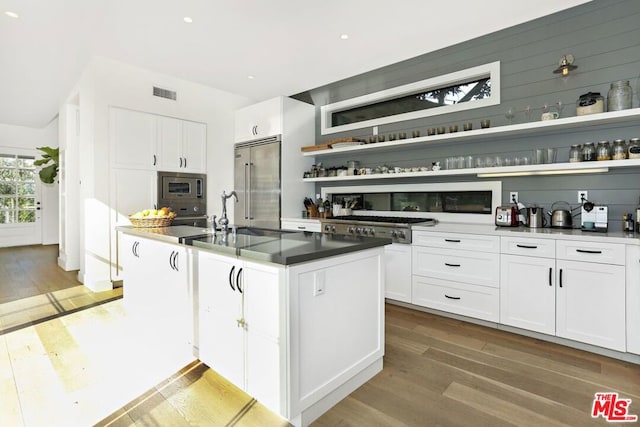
column 550, row 272
column 451, row 265
column 452, row 240
column 586, row 251
column 154, row 160
column 301, row 227
column 134, row 249
column 560, row 277
column 238, row 280
column 185, row 162
column 180, row 161
column 451, row 297
column 231, row 278
column 173, row 258
column 527, row 246
column 175, row 261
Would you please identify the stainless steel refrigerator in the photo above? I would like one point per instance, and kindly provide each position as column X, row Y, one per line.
column 258, row 183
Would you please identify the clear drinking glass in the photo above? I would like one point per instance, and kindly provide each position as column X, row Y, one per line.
column 510, row 114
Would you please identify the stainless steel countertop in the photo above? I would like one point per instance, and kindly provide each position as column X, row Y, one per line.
column 171, row 234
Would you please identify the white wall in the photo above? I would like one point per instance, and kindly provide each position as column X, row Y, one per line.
column 26, row 138
column 106, row 83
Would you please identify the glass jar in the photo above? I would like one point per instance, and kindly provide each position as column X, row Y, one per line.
column 619, row 150
column 619, row 96
column 588, row 152
column 634, row 148
column 575, row 153
column 603, row 151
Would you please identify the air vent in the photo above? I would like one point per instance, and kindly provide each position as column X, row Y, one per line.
column 164, row 93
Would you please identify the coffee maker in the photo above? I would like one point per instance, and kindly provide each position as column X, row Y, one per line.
column 594, row 217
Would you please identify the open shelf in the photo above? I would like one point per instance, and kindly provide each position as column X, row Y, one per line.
column 500, row 132
column 546, row 169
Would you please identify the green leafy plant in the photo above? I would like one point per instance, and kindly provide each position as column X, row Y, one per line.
column 48, row 173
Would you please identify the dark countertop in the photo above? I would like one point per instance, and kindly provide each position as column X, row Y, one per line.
column 288, row 248
column 276, row 246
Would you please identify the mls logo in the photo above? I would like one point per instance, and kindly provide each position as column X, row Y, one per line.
column 612, row 408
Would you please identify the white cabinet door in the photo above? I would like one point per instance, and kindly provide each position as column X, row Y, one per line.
column 633, row 298
column 528, row 293
column 397, row 259
column 133, row 139
column 169, row 144
column 259, row 120
column 590, row 300
column 194, row 147
column 221, row 337
column 133, row 274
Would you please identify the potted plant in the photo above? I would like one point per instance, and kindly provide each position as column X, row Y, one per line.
column 48, row 173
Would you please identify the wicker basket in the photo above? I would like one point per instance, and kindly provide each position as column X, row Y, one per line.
column 151, row 222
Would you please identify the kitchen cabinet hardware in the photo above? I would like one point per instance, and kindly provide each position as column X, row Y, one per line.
column 173, row 260
column 452, row 240
column 185, row 162
column 560, row 277
column 550, row 276
column 451, row 265
column 180, row 162
column 231, row 278
column 155, row 160
column 586, row 251
column 527, row 246
column 450, row 297
column 134, row 249
column 238, row 276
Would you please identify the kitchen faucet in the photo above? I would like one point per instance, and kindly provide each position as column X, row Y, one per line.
column 223, row 222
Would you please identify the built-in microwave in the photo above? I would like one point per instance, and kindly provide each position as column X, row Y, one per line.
column 184, row 193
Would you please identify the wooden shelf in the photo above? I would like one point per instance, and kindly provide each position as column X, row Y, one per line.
column 500, row 132
column 546, row 169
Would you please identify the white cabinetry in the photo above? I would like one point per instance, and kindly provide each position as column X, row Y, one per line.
column 633, row 298
column 259, row 120
column 457, row 273
column 181, row 145
column 576, row 291
column 311, row 225
column 397, row 258
column 133, row 139
column 239, row 309
column 160, row 296
column 527, row 284
column 590, row 297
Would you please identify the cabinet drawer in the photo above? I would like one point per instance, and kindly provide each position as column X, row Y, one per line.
column 308, row 225
column 606, row 253
column 543, row 248
column 474, row 242
column 479, row 268
column 479, row 302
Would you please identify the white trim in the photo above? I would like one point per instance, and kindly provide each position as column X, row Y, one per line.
column 491, row 70
column 494, row 186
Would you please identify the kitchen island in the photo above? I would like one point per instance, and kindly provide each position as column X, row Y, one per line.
column 294, row 319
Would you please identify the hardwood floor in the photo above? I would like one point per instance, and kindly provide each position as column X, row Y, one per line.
column 27, row 271
column 437, row 372
column 96, row 368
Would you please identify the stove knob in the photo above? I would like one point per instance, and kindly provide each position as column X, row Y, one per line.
column 327, row 228
column 350, row 230
column 365, row 231
column 372, row 231
column 401, row 234
column 358, row 230
column 333, row 228
column 394, row 234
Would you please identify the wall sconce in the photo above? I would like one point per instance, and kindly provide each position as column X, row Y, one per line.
column 565, row 65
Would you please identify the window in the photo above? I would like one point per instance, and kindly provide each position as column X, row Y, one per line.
column 17, row 189
column 471, row 88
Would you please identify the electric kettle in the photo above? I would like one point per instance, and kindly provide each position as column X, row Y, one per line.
column 535, row 217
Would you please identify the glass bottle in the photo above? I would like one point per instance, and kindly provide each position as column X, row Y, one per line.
column 634, row 148
column 575, row 153
column 588, row 152
column 603, row 152
column 619, row 96
column 619, row 150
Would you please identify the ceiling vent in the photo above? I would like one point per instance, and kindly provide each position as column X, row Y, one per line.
column 164, row 93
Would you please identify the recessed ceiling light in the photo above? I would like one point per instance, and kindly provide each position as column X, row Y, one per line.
column 187, row 19
column 344, row 36
column 11, row 14
column 250, row 77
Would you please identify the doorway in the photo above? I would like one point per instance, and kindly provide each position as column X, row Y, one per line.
column 20, row 195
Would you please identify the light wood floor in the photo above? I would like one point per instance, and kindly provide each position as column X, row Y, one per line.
column 27, row 271
column 33, row 288
column 437, row 372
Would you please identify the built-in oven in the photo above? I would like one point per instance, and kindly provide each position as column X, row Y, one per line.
column 186, row 195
